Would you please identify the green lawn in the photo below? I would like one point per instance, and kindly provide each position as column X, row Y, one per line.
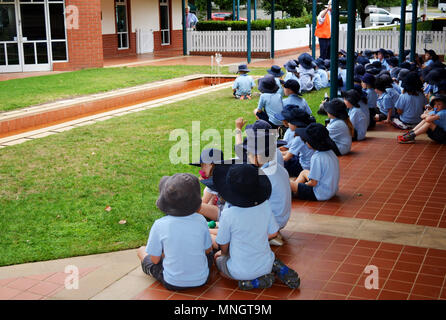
column 54, row 191
column 20, row 93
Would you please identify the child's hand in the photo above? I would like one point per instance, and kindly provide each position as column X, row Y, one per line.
column 240, row 123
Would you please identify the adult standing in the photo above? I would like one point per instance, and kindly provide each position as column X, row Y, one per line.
column 191, row 19
column 323, row 31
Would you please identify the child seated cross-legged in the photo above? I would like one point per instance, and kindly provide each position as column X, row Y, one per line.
column 243, row 84
column 356, row 115
column 340, row 128
column 321, row 182
column 433, row 123
column 179, row 249
column 270, row 101
column 246, row 225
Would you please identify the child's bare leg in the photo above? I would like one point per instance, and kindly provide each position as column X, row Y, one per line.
column 302, row 178
column 209, row 211
column 424, row 128
column 419, row 125
column 207, row 197
column 214, row 243
column 142, row 253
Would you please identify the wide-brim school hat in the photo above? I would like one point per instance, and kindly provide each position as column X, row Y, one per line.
column 295, row 116
column 321, row 64
column 440, row 97
column 362, row 60
column 394, row 72
column 342, row 52
column 317, row 136
column 368, row 78
column 264, row 144
column 259, row 125
column 434, row 77
column 368, row 53
column 293, row 85
column 180, row 195
column 392, row 61
column 276, row 71
column 412, row 82
column 243, row 68
column 306, row 61
column 342, row 62
column 290, row 66
column 377, row 64
column 402, row 74
column 268, row 84
column 432, row 53
column 209, row 156
column 242, row 185
column 351, row 96
column 383, row 52
column 359, row 70
column 337, row 108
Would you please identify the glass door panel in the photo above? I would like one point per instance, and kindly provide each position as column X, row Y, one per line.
column 9, row 50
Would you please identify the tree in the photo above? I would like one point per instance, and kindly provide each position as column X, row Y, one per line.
column 293, row 7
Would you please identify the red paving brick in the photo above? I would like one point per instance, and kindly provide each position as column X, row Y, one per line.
column 402, row 270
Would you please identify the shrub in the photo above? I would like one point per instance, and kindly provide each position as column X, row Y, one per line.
column 255, row 25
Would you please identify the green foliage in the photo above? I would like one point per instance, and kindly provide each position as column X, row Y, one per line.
column 293, row 7
column 255, row 24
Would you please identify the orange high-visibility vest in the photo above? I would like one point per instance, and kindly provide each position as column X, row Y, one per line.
column 323, row 30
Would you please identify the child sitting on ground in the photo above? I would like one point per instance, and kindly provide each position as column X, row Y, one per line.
column 291, row 71
column 243, row 84
column 292, row 90
column 433, row 123
column 277, row 73
column 270, row 101
column 340, row 128
column 245, row 227
column 321, row 182
column 368, row 84
column 410, row 105
column 357, row 117
column 179, row 249
column 296, row 154
column 385, row 110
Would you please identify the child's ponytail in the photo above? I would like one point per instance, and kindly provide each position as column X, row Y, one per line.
column 349, row 124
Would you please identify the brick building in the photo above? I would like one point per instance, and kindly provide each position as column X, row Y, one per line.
column 41, row 35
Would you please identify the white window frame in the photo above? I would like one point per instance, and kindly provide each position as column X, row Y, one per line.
column 165, row 3
column 121, row 46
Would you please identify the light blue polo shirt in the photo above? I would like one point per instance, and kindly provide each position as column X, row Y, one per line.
column 412, row 107
column 296, row 100
column 372, row 98
column 428, row 62
column 365, row 109
column 280, row 86
column 394, row 95
column 442, row 121
column 272, row 104
column 183, row 240
column 325, row 170
column 279, row 157
column 288, row 137
column 290, row 76
column 343, row 74
column 321, row 79
column 246, row 230
column 385, row 103
column 396, row 87
column 300, row 149
column 243, row 85
column 280, row 200
column 340, row 134
column 359, row 121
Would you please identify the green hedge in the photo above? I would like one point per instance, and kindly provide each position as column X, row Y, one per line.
column 255, row 25
column 294, row 23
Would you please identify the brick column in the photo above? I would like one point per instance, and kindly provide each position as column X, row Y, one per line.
column 84, row 43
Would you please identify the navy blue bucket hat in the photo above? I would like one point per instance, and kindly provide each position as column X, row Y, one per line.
column 290, row 66
column 359, row 70
column 268, row 84
column 243, row 68
column 295, row 116
column 276, row 71
column 317, row 137
column 242, row 185
column 368, row 79
column 306, row 61
column 292, row 85
column 337, row 108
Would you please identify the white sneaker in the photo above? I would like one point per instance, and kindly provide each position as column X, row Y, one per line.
column 276, row 242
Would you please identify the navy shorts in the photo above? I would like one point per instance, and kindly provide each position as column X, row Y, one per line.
column 305, row 192
column 156, row 271
column 293, row 166
column 438, row 135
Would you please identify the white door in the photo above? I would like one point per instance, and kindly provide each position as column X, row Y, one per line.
column 9, row 38
column 24, row 36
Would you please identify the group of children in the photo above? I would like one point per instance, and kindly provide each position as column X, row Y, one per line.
column 285, row 154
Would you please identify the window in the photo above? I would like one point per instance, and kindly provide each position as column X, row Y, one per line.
column 164, row 22
column 58, row 35
column 122, row 24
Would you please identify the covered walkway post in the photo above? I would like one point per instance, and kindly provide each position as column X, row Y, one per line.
column 401, row 57
column 351, row 43
column 273, row 27
column 209, row 9
column 413, row 36
column 249, row 31
column 183, row 8
column 255, row 9
column 334, row 45
column 238, row 10
column 233, row 10
column 313, row 30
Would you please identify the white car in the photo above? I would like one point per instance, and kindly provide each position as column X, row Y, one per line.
column 381, row 16
column 442, row 5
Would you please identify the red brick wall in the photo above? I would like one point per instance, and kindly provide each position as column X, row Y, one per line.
column 110, row 45
column 176, row 41
column 85, row 43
